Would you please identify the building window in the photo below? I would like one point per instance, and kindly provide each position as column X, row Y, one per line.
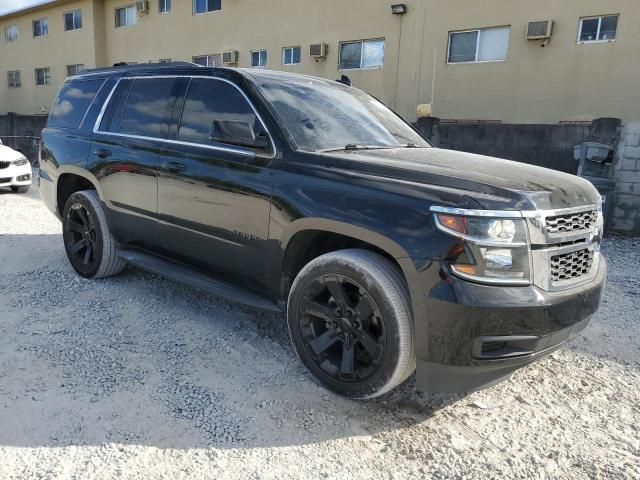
column 11, row 34
column 208, row 60
column 74, row 69
column 291, row 55
column 205, row 6
column 40, row 27
column 43, row 76
column 164, row 6
column 482, row 45
column 126, row 16
column 73, row 20
column 361, row 54
column 598, row 29
column 164, row 60
column 259, row 58
column 14, row 79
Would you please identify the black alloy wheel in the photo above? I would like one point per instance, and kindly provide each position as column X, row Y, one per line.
column 82, row 239
column 342, row 328
column 350, row 321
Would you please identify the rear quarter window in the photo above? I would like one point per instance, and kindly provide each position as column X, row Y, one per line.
column 72, row 103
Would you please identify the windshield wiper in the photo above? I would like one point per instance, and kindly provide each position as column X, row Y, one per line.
column 355, row 146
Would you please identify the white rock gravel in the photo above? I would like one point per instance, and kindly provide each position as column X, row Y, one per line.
column 138, row 377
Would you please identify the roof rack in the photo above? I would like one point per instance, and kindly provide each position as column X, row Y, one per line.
column 139, row 66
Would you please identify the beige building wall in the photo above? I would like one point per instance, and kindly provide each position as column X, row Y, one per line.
column 258, row 24
column 55, row 50
column 563, row 81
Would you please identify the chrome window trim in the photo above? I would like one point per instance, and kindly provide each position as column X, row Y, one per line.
column 96, row 126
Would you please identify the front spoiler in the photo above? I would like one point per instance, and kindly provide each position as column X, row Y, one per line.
column 438, row 378
column 451, row 365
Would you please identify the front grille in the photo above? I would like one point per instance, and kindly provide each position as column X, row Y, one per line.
column 5, row 180
column 571, row 222
column 4, row 165
column 571, row 265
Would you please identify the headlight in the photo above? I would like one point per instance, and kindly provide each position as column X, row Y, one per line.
column 20, row 162
column 496, row 250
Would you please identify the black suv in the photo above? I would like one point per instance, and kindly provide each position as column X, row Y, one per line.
column 297, row 194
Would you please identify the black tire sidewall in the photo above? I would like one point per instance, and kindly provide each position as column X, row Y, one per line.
column 79, row 198
column 366, row 388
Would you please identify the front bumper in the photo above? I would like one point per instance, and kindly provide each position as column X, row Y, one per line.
column 13, row 176
column 478, row 335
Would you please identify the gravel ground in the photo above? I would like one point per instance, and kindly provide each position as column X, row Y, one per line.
column 139, row 377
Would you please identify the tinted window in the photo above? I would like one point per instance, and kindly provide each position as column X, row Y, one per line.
column 210, row 100
column 148, row 108
column 73, row 102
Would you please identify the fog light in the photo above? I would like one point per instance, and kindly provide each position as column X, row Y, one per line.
column 23, row 178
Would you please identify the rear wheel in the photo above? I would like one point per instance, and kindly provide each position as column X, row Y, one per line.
column 90, row 247
column 20, row 189
column 350, row 321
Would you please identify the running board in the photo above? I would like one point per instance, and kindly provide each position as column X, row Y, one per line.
column 198, row 280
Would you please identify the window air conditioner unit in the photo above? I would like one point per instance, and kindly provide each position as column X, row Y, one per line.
column 319, row 50
column 142, row 7
column 230, row 57
column 539, row 30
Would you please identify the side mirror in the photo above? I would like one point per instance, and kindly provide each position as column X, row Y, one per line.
column 238, row 133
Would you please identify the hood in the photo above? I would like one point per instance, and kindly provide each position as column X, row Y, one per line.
column 492, row 182
column 9, row 154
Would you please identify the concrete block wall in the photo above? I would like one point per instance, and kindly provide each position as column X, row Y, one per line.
column 626, row 212
column 22, row 133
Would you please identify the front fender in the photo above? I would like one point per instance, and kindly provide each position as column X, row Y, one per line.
column 413, row 272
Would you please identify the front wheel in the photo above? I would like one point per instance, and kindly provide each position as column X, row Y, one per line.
column 350, row 321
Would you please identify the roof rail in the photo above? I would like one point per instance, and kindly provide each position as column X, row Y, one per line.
column 139, row 66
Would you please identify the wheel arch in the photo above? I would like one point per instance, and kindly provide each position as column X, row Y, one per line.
column 73, row 179
column 304, row 233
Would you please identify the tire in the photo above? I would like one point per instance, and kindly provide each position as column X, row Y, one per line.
column 366, row 348
column 90, row 247
column 20, row 189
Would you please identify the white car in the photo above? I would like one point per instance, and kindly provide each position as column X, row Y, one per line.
column 15, row 170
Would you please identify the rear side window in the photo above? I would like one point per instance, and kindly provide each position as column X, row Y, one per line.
column 73, row 102
column 147, row 108
column 211, row 100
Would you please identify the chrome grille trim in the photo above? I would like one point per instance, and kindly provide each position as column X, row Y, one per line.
column 571, row 222
column 571, row 265
column 549, row 245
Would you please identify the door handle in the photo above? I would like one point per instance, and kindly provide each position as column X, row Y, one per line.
column 102, row 153
column 174, row 167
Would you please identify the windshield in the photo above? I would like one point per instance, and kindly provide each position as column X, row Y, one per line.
column 323, row 116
